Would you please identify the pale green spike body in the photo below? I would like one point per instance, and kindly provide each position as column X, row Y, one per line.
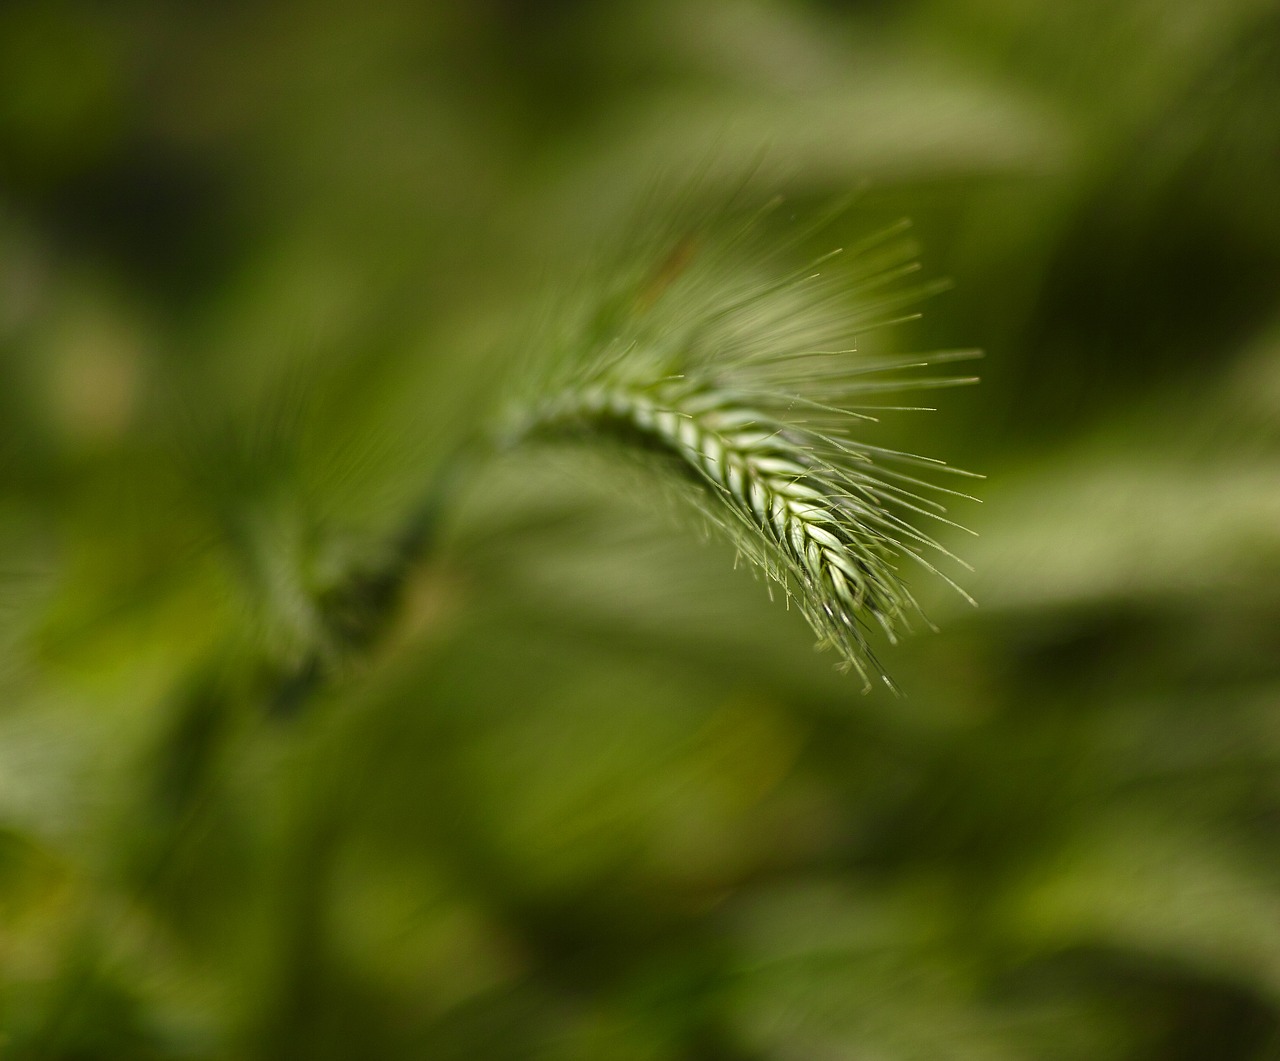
column 822, row 545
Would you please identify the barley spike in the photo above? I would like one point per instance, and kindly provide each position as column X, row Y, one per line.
column 755, row 392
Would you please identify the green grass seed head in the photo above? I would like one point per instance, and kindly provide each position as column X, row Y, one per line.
column 753, row 388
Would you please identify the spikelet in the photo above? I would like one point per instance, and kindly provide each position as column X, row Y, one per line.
column 752, row 388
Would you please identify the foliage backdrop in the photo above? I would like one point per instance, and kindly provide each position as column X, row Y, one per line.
column 591, row 796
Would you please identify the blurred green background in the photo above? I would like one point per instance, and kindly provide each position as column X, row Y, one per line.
column 591, row 796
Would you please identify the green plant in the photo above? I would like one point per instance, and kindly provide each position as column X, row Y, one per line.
column 745, row 385
column 753, row 389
